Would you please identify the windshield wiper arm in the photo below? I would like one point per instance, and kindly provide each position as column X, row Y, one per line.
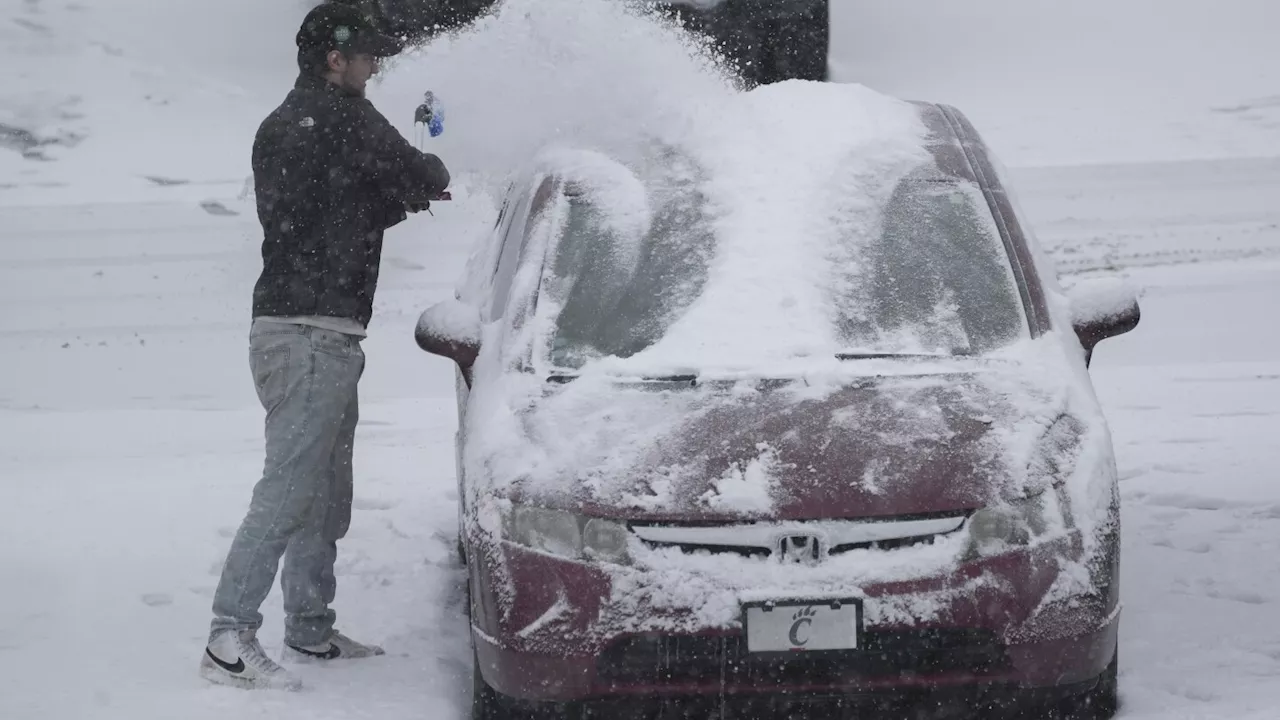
column 570, row 377
column 671, row 378
column 890, row 355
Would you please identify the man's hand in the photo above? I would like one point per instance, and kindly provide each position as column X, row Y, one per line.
column 419, row 205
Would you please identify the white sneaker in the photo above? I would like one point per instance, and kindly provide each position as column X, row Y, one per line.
column 339, row 647
column 236, row 658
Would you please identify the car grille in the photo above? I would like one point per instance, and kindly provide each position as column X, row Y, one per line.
column 885, row 654
column 830, row 537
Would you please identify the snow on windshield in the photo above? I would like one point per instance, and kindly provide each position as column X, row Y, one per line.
column 788, row 165
column 794, row 221
column 614, row 285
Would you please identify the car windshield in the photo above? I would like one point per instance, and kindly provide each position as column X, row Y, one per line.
column 929, row 275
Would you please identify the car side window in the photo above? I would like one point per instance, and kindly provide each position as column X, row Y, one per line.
column 482, row 264
column 515, row 237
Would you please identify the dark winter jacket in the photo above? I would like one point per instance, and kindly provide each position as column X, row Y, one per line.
column 330, row 175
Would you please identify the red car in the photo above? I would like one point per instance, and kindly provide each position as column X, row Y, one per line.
column 709, row 463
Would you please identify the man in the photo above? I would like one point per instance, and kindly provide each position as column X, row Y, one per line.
column 331, row 174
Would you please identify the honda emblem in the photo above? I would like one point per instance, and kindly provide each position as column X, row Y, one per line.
column 800, row 549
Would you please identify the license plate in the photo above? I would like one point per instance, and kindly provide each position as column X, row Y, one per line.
column 804, row 625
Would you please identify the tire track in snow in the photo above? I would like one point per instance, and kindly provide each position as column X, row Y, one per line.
column 1118, row 217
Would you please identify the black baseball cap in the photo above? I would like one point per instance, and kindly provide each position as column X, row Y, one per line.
column 333, row 26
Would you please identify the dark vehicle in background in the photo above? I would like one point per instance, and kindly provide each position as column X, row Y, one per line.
column 907, row 562
column 767, row 40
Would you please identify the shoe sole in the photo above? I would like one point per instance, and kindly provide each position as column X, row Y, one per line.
column 293, row 656
column 218, row 676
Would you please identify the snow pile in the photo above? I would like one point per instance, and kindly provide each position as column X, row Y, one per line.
column 450, row 321
column 608, row 185
column 747, row 489
column 794, row 171
column 1099, row 300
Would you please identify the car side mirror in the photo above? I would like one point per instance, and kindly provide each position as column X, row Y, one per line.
column 451, row 329
column 1102, row 308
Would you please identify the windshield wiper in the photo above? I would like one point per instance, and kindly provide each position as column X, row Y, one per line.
column 570, row 377
column 890, row 355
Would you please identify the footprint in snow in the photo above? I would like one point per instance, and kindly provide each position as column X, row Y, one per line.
column 1247, row 597
column 391, row 528
column 157, row 599
column 1271, row 512
column 403, row 264
column 1188, row 502
column 32, row 25
column 1131, row 473
column 1200, row 548
column 1176, row 470
column 1169, row 516
column 1209, row 587
column 1194, row 693
column 213, row 207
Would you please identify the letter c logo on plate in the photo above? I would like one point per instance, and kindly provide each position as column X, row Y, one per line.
column 802, row 620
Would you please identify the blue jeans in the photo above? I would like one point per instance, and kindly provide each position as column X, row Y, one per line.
column 306, row 378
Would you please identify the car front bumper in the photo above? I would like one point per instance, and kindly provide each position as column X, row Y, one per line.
column 551, row 629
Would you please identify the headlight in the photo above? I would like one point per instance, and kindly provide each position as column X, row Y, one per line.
column 568, row 535
column 1046, row 511
column 1020, row 523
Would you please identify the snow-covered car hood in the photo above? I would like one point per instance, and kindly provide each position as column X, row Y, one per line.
column 909, row 441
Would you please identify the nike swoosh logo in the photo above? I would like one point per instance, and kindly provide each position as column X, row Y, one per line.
column 333, row 652
column 235, row 669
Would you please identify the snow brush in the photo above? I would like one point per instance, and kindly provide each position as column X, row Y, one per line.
column 429, row 119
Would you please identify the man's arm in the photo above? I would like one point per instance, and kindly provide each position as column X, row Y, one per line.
column 403, row 172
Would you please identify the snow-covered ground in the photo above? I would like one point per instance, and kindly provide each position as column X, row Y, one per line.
column 130, row 436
